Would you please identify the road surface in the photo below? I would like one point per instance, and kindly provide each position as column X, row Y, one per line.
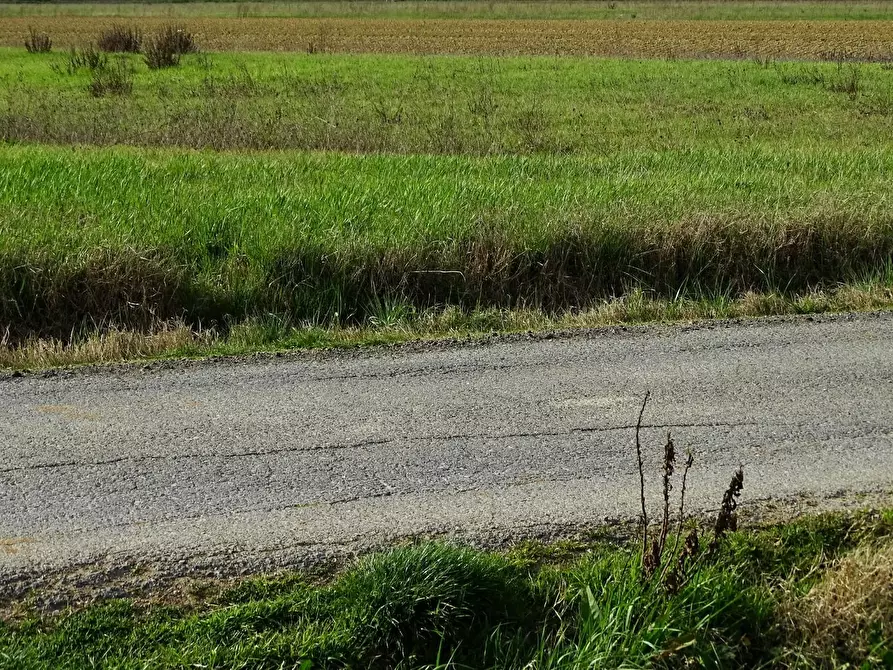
column 250, row 464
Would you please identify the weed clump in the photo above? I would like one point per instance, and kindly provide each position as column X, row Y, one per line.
column 158, row 55
column 38, row 43
column 120, row 39
column 666, row 567
column 164, row 49
column 88, row 58
column 182, row 40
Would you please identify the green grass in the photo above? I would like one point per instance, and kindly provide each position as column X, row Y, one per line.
column 554, row 186
column 127, row 237
column 557, row 9
column 439, row 605
column 454, row 105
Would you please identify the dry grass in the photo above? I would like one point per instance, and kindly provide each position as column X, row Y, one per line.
column 396, row 323
column 115, row 345
column 38, row 43
column 848, row 616
column 867, row 40
column 120, row 39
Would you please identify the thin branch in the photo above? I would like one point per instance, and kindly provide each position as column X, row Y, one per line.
column 642, row 476
column 669, row 463
column 688, row 463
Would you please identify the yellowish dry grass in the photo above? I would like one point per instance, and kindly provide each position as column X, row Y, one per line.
column 869, row 40
column 101, row 348
column 637, row 307
column 847, row 617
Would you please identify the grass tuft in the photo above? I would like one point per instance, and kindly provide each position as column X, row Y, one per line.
column 164, row 49
column 413, row 603
column 87, row 58
column 847, row 618
column 112, row 80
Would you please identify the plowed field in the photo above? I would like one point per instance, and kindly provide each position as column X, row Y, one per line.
column 868, row 40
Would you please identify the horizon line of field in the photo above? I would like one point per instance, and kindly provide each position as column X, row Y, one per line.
column 868, row 40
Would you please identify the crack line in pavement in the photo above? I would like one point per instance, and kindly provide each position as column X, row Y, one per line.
column 368, row 443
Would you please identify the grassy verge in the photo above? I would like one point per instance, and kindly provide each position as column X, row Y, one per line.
column 395, row 322
column 810, row 594
column 470, row 9
column 127, row 238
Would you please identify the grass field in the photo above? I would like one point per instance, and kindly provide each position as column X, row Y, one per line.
column 94, row 237
column 811, row 594
column 455, row 105
column 866, row 40
column 695, row 182
column 246, row 199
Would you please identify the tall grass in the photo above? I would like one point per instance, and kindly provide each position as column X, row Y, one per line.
column 690, row 182
column 123, row 238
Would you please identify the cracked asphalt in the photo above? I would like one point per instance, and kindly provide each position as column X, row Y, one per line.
column 247, row 465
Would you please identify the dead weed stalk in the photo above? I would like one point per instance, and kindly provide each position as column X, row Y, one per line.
column 671, row 568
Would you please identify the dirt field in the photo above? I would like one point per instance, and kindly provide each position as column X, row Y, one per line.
column 866, row 40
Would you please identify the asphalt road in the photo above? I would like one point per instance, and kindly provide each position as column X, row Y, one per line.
column 271, row 461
